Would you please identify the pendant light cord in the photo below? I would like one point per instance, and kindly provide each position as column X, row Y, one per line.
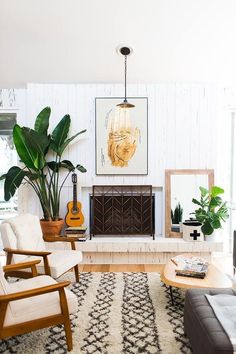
column 125, row 51
column 125, row 76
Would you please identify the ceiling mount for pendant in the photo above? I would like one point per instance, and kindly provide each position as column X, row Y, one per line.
column 125, row 51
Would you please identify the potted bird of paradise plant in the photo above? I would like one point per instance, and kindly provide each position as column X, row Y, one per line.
column 40, row 154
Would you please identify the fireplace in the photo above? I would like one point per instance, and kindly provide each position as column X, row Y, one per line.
column 122, row 210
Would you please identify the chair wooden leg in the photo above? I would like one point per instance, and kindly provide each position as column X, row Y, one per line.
column 76, row 268
column 68, row 332
column 67, row 324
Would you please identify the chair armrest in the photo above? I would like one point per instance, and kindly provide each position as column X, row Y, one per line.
column 62, row 239
column 27, row 252
column 43, row 254
column 34, row 292
column 23, row 265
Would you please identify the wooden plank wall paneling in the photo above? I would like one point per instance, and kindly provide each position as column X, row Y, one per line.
column 183, row 122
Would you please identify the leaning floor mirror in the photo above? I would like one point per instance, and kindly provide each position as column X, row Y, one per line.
column 181, row 186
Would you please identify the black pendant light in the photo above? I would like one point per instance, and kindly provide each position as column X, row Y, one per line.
column 125, row 51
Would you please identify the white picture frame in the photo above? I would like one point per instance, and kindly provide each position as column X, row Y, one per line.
column 121, row 136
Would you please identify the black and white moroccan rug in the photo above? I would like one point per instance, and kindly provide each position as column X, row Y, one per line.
column 118, row 313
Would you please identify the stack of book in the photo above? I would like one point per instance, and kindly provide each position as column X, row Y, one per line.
column 190, row 266
column 78, row 232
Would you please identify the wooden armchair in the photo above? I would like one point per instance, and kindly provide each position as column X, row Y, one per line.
column 23, row 241
column 22, row 310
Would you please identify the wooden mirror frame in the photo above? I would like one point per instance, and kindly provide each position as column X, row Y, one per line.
column 168, row 174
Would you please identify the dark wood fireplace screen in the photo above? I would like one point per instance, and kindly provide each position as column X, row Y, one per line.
column 122, row 210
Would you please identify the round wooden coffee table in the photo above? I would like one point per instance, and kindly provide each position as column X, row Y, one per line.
column 213, row 279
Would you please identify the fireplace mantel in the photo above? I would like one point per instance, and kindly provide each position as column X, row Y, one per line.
column 140, row 250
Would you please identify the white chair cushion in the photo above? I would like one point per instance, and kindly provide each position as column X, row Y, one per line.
column 8, row 237
column 9, row 240
column 60, row 262
column 38, row 306
column 28, row 232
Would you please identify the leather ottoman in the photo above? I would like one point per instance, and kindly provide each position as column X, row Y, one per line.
column 204, row 331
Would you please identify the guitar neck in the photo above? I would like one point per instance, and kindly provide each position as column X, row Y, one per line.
column 74, row 195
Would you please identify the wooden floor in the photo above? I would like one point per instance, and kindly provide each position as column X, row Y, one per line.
column 120, row 267
column 223, row 262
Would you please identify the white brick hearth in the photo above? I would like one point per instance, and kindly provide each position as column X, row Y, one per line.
column 141, row 250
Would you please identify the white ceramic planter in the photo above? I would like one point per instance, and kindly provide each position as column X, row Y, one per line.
column 210, row 237
column 192, row 231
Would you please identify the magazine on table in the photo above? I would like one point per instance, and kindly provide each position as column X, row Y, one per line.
column 190, row 266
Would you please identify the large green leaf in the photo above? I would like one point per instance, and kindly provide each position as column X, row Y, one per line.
column 13, row 180
column 55, row 166
column 27, row 155
column 207, row 229
column 216, row 191
column 60, row 133
column 68, row 165
column 68, row 141
column 195, row 201
column 42, row 121
column 81, row 168
column 3, row 176
column 223, row 212
column 214, row 202
column 203, row 191
column 216, row 224
column 36, row 140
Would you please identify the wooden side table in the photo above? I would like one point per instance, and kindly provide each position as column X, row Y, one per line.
column 213, row 279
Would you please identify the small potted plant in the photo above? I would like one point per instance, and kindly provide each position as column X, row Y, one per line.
column 176, row 218
column 212, row 210
column 40, row 154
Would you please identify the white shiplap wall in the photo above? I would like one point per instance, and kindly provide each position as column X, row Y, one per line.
column 182, row 118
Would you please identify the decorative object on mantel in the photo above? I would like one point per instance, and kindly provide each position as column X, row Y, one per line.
column 121, row 145
column 192, row 231
column 35, row 148
column 212, row 210
column 176, row 218
column 180, row 187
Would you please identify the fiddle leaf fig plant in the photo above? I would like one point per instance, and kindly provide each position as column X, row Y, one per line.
column 212, row 210
column 41, row 156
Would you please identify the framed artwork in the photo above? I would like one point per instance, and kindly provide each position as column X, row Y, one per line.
column 121, row 140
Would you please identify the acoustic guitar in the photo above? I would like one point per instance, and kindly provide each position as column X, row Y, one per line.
column 74, row 216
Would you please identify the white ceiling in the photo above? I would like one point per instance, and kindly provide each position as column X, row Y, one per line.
column 69, row 41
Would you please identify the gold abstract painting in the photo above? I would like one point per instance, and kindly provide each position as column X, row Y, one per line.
column 121, row 137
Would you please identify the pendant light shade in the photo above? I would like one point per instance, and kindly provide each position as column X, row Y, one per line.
column 125, row 51
column 125, row 104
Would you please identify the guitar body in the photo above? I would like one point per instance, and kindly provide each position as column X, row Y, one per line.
column 74, row 216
